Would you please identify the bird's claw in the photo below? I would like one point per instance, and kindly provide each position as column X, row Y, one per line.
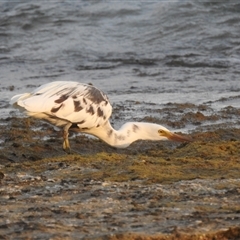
column 66, row 147
column 67, row 150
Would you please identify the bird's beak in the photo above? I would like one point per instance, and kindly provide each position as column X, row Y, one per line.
column 178, row 138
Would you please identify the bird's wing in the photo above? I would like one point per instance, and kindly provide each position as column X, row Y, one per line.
column 78, row 103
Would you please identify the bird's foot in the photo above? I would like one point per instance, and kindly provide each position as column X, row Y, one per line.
column 70, row 151
column 67, row 150
column 66, row 147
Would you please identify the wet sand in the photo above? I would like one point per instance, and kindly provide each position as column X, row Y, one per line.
column 151, row 190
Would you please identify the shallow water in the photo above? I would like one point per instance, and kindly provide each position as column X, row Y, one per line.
column 156, row 52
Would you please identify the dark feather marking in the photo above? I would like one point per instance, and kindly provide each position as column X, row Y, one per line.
column 75, row 125
column 84, row 100
column 135, row 128
column 55, row 109
column 74, row 96
column 91, row 110
column 77, row 106
column 99, row 112
column 120, row 137
column 81, row 122
column 61, row 99
column 110, row 132
column 95, row 95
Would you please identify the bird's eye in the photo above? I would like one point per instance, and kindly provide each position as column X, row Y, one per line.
column 160, row 131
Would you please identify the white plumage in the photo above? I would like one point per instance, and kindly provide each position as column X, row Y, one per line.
column 83, row 108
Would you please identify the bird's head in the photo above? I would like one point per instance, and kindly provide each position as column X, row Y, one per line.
column 168, row 135
column 152, row 131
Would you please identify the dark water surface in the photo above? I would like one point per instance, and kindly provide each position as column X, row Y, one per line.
column 152, row 52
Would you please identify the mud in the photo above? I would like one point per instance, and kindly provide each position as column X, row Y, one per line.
column 151, row 190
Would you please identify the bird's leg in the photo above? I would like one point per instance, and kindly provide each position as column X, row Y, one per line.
column 66, row 145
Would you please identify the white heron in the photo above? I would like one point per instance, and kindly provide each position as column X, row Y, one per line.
column 83, row 108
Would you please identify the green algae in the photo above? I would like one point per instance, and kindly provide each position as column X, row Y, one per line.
column 214, row 160
column 231, row 233
column 212, row 155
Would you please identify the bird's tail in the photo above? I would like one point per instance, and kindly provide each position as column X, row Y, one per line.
column 17, row 99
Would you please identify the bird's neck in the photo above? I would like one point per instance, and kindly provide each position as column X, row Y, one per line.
column 122, row 138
